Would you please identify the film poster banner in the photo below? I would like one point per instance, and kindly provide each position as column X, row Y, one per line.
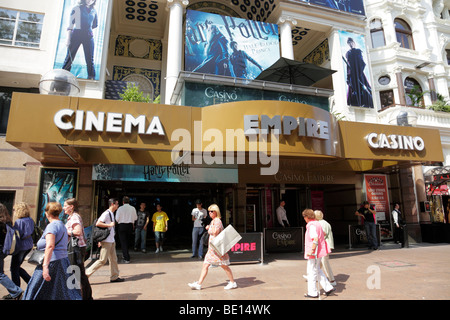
column 249, row 248
column 56, row 185
column 283, row 239
column 173, row 173
column 352, row 6
column 81, row 37
column 229, row 46
column 378, row 196
column 356, row 69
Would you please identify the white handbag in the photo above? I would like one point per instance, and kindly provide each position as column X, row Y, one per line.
column 225, row 240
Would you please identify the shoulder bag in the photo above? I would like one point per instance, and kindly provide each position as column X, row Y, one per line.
column 37, row 256
column 225, row 240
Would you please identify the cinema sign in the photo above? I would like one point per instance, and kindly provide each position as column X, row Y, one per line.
column 108, row 122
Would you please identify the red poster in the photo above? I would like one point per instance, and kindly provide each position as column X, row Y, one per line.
column 377, row 194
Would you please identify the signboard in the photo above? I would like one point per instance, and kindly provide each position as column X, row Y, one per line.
column 249, row 248
column 377, row 194
column 354, row 56
column 173, row 173
column 201, row 95
column 229, row 46
column 283, row 239
column 82, row 25
column 352, row 6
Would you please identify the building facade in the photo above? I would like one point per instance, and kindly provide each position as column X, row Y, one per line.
column 326, row 165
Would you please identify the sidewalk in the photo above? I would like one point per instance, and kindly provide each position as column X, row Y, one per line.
column 420, row 272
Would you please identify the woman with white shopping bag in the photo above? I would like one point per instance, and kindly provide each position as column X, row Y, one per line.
column 212, row 258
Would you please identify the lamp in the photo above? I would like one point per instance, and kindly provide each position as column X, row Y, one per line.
column 59, row 82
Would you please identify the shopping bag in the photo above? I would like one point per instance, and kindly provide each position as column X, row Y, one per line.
column 225, row 240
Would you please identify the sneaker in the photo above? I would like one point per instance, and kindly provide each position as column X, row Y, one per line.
column 144, row 251
column 231, row 285
column 195, row 285
column 333, row 283
column 161, row 249
column 157, row 250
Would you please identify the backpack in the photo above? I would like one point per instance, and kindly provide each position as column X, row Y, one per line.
column 12, row 238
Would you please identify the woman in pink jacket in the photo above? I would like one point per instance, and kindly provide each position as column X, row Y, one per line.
column 315, row 249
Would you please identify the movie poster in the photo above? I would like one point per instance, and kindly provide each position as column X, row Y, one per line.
column 81, row 37
column 56, row 185
column 356, row 69
column 228, row 46
column 378, row 196
column 352, row 6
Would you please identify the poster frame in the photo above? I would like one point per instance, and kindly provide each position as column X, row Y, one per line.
column 40, row 215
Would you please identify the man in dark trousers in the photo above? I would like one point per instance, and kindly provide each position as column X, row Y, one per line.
column 125, row 217
column 368, row 214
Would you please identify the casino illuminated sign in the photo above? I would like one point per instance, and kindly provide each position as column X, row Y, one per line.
column 395, row 142
column 112, row 122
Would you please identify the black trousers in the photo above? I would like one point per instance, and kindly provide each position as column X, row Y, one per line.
column 125, row 234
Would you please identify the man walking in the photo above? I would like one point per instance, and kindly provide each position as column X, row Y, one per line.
column 125, row 217
column 108, row 246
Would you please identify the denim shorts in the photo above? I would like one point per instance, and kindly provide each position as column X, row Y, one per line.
column 159, row 236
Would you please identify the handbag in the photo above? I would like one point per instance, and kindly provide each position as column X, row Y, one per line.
column 74, row 251
column 225, row 240
column 99, row 233
column 37, row 256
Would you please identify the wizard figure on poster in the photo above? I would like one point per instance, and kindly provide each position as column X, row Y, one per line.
column 359, row 91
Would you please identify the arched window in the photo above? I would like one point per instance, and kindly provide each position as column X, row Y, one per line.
column 377, row 33
column 413, row 93
column 404, row 34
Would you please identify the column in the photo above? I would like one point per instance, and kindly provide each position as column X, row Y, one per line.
column 286, row 24
column 400, row 87
column 174, row 45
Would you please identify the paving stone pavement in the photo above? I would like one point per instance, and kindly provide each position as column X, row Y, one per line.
column 420, row 272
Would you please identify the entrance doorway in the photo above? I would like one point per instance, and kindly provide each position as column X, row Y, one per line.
column 176, row 199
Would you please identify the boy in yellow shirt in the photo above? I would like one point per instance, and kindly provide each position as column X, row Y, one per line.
column 160, row 226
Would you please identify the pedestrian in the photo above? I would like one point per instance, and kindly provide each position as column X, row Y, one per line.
column 315, row 249
column 281, row 215
column 108, row 246
column 125, row 217
column 140, row 230
column 198, row 214
column 398, row 222
column 212, row 258
column 50, row 281
column 369, row 216
column 25, row 225
column 75, row 228
column 14, row 291
column 328, row 233
column 160, row 227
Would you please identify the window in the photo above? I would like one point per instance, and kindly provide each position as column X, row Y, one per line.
column 377, row 33
column 5, row 103
column 404, row 34
column 413, row 93
column 447, row 51
column 21, row 29
column 387, row 98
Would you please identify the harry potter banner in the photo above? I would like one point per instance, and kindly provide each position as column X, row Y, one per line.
column 229, row 46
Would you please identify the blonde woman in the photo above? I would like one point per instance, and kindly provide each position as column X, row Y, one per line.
column 212, row 258
column 25, row 225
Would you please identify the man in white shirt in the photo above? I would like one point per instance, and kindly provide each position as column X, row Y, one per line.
column 281, row 215
column 125, row 217
column 108, row 250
